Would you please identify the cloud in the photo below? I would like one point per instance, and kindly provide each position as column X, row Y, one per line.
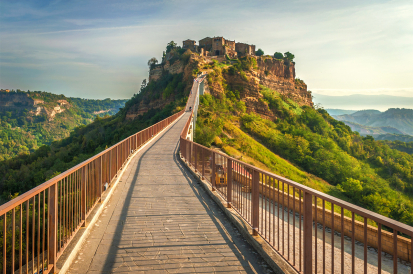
column 340, row 46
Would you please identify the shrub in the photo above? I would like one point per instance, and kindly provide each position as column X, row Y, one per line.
column 259, row 52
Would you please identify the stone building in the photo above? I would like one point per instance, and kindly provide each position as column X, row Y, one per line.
column 190, row 44
column 244, row 49
column 218, row 46
column 206, row 43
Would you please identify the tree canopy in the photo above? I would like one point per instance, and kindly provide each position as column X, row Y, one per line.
column 278, row 55
column 289, row 56
column 259, row 52
column 170, row 46
column 153, row 61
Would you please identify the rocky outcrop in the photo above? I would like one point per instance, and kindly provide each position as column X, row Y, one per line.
column 15, row 100
column 35, row 107
column 172, row 65
column 279, row 75
column 173, row 68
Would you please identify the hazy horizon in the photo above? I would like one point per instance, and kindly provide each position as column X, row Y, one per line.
column 381, row 102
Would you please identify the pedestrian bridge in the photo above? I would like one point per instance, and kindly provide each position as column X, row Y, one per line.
column 159, row 203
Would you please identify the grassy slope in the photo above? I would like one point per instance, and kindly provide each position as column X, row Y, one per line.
column 310, row 147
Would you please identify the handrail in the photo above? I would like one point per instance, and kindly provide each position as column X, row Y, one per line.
column 49, row 215
column 265, row 187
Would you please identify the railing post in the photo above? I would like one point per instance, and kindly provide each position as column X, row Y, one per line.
column 213, row 183
column 255, row 210
column 100, row 170
column 110, row 166
column 229, row 183
column 181, row 146
column 190, row 153
column 308, row 231
column 117, row 159
column 203, row 163
column 83, row 196
column 52, row 224
column 195, row 156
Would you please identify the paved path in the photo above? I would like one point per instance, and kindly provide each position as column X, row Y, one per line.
column 159, row 220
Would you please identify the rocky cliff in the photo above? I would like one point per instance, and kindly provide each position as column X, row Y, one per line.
column 255, row 74
column 18, row 101
column 244, row 77
column 163, row 87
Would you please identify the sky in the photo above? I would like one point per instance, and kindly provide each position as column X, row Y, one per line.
column 100, row 49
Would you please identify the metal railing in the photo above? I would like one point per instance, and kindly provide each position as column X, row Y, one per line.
column 313, row 231
column 38, row 225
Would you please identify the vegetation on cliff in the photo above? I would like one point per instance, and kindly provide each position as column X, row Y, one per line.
column 21, row 173
column 309, row 146
column 22, row 130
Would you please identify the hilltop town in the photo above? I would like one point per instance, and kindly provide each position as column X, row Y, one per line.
column 219, row 46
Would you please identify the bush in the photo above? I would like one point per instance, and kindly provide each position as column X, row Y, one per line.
column 259, row 52
column 278, row 55
column 289, row 56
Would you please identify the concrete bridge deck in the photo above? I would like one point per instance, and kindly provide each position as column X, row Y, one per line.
column 159, row 220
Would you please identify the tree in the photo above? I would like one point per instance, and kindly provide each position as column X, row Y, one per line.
column 153, row 61
column 259, row 52
column 170, row 46
column 163, row 57
column 278, row 55
column 143, row 85
column 289, row 56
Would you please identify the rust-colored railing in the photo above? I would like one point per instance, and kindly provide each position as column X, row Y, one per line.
column 313, row 231
column 38, row 225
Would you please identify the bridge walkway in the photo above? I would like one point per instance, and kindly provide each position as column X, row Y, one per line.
column 159, row 220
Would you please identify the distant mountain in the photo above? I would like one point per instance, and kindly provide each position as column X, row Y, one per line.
column 373, row 131
column 400, row 119
column 359, row 101
column 334, row 111
column 396, row 137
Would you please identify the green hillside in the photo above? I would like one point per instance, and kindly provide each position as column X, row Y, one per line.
column 27, row 120
column 309, row 146
column 22, row 173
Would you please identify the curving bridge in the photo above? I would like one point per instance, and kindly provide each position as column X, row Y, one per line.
column 159, row 203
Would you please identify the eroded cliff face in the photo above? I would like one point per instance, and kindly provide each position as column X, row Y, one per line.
column 275, row 74
column 155, row 74
column 23, row 101
column 278, row 75
column 15, row 100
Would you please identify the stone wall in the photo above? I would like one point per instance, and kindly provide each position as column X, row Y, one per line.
column 244, row 49
column 206, row 43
